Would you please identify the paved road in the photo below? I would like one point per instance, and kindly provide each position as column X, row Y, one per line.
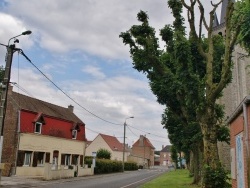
column 120, row 180
column 117, row 180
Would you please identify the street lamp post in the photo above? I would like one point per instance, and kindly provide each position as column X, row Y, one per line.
column 124, row 134
column 4, row 87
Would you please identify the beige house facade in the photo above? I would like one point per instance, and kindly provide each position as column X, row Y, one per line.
column 109, row 143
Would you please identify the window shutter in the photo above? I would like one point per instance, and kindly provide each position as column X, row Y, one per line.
column 63, row 159
column 35, row 157
column 47, row 158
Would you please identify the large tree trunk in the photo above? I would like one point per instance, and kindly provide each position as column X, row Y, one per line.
column 196, row 156
column 211, row 161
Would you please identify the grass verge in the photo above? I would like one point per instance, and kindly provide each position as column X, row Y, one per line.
column 173, row 179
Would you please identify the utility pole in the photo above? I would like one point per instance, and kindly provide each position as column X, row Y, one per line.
column 124, row 135
column 4, row 88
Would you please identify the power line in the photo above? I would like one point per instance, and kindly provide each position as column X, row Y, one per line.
column 21, row 88
column 83, row 106
column 145, row 131
column 132, row 132
column 67, row 94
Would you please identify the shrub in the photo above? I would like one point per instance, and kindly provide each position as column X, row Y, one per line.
column 107, row 166
column 130, row 166
column 104, row 166
column 103, row 154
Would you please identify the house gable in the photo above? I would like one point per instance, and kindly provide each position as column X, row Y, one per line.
column 112, row 142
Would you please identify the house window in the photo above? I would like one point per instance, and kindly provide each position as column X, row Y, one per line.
column 38, row 127
column 75, row 159
column 74, row 134
column 38, row 159
column 67, row 160
column 27, row 159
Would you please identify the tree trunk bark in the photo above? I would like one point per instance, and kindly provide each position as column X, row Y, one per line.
column 211, row 161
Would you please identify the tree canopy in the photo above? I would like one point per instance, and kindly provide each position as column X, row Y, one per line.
column 188, row 76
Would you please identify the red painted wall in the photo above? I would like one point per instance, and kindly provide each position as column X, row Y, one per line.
column 52, row 127
column 236, row 127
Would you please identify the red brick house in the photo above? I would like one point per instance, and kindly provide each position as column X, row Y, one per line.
column 143, row 152
column 165, row 156
column 37, row 133
column 239, row 123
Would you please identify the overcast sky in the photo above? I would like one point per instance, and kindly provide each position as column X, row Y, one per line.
column 76, row 44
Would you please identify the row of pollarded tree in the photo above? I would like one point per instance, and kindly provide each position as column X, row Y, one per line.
column 189, row 75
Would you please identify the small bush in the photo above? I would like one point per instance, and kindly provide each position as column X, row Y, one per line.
column 130, row 166
column 103, row 154
column 88, row 160
column 216, row 177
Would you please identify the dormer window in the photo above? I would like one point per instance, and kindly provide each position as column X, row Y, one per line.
column 74, row 134
column 38, row 128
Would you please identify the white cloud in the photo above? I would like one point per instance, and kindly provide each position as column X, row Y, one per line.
column 92, row 26
column 94, row 71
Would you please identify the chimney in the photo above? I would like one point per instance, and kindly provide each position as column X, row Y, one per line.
column 162, row 146
column 141, row 140
column 71, row 108
column 10, row 89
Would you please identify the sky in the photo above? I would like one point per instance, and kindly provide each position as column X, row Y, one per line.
column 76, row 44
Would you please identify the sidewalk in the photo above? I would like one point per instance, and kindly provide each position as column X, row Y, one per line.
column 24, row 181
column 20, row 181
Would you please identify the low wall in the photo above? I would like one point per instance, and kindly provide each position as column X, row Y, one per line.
column 49, row 174
column 30, row 171
column 85, row 171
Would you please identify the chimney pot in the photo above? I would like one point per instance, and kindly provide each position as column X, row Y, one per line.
column 71, row 108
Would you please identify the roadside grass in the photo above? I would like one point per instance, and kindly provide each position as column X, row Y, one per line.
column 173, row 179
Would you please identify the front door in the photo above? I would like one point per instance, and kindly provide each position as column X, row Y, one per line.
column 240, row 161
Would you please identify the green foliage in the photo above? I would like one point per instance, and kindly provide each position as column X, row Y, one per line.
column 130, row 166
column 2, row 70
column 242, row 16
column 174, row 154
column 104, row 166
column 103, row 154
column 188, row 76
column 223, row 134
column 88, row 160
column 215, row 177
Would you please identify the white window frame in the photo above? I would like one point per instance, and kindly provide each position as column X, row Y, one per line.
column 74, row 134
column 67, row 160
column 40, row 128
column 27, row 159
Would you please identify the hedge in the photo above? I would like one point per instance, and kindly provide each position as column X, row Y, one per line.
column 104, row 166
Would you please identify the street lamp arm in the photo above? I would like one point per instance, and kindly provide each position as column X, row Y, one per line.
column 3, row 45
column 23, row 33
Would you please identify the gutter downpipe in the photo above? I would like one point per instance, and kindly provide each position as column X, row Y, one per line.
column 246, row 140
column 18, row 139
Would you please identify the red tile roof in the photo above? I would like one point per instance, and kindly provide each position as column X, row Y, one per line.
column 113, row 142
column 145, row 142
column 35, row 105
